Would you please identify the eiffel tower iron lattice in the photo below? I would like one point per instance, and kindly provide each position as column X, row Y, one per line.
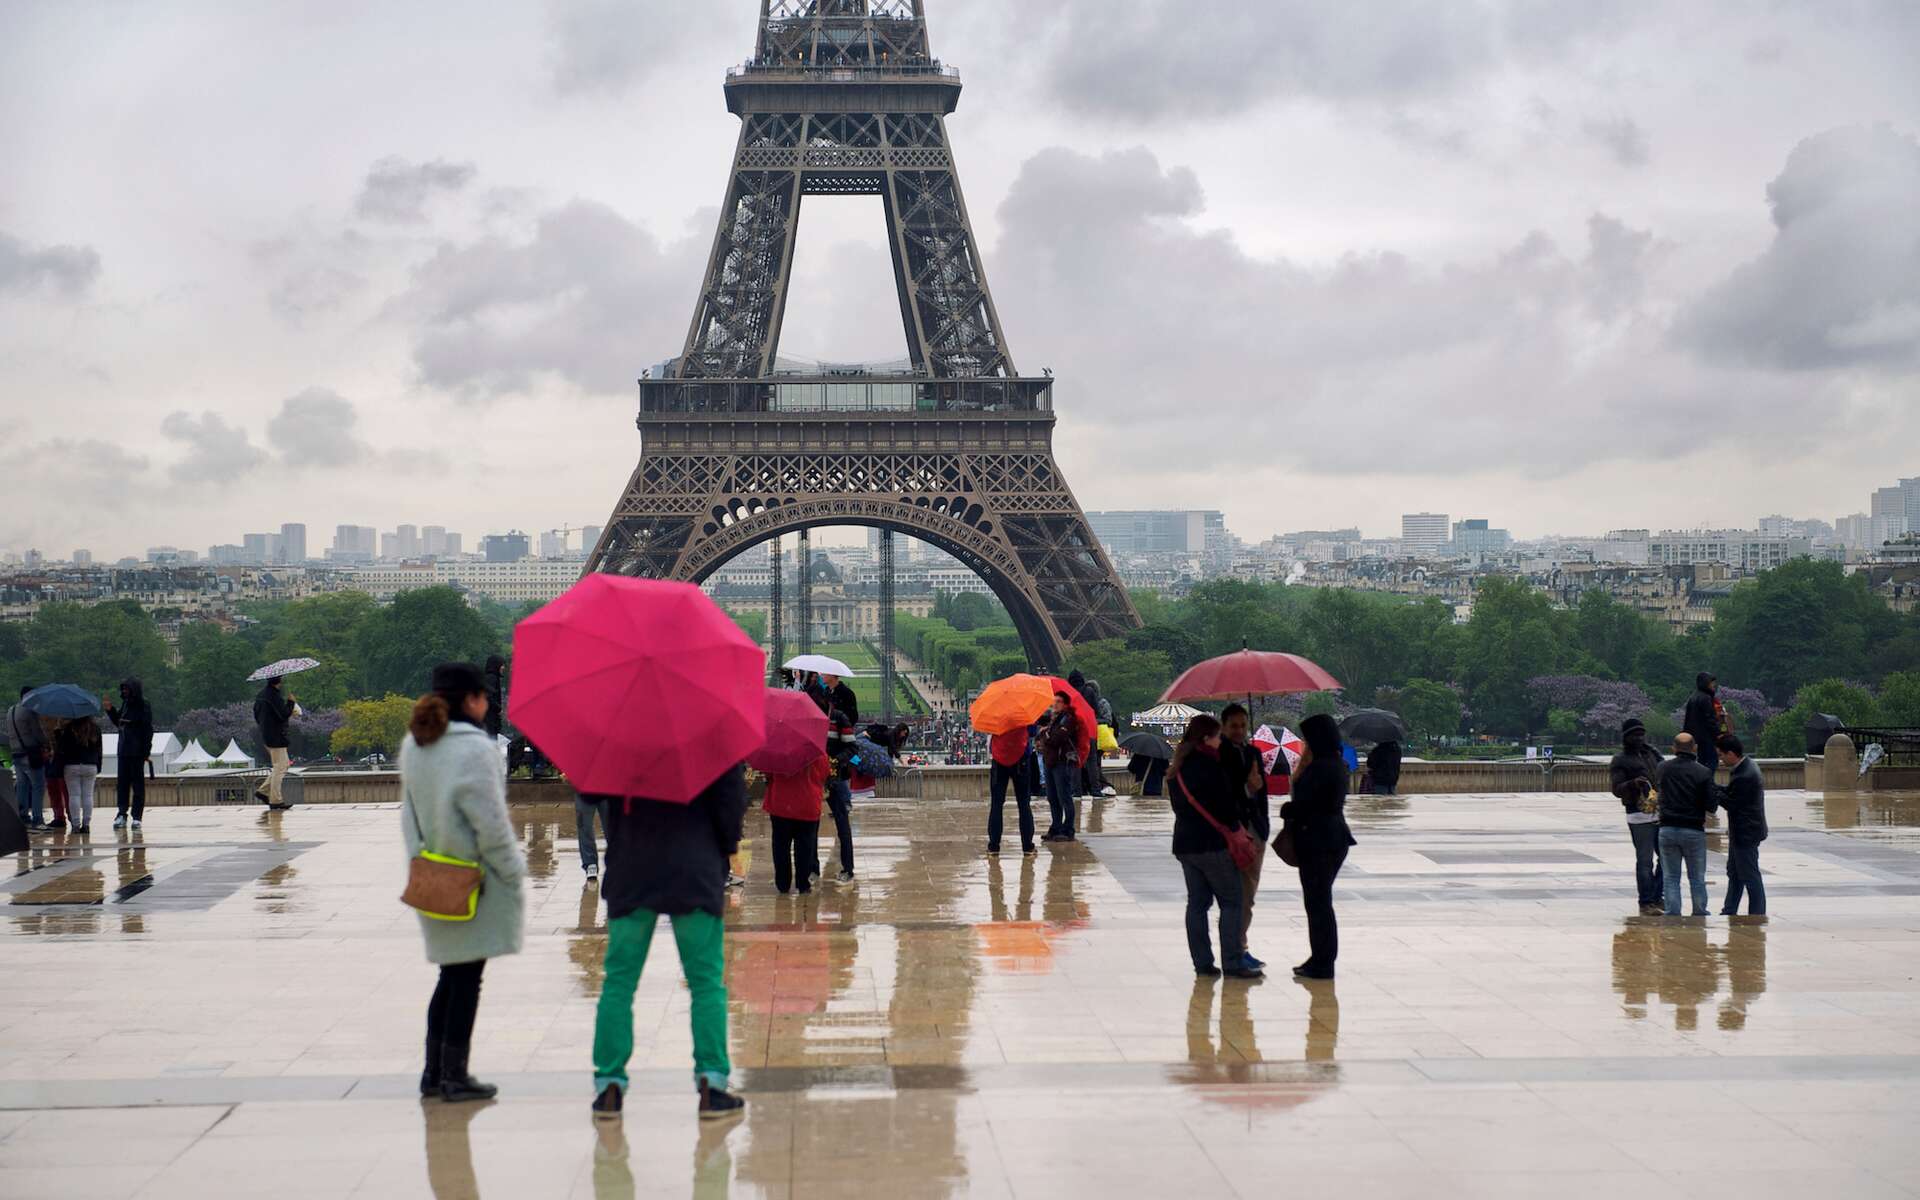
column 844, row 97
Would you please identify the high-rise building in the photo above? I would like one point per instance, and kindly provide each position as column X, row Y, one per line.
column 35, row 559
column 589, row 538
column 453, row 545
column 504, row 547
column 1156, row 532
column 227, row 554
column 293, row 543
column 255, row 549
column 433, row 541
column 406, row 541
column 1749, row 551
column 1475, row 540
column 1776, row 526
column 1423, row 535
column 1853, row 531
column 1891, row 518
column 354, row 543
column 83, row 558
column 553, row 544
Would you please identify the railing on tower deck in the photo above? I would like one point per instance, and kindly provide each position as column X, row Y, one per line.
column 843, row 394
column 842, row 72
column 1898, row 747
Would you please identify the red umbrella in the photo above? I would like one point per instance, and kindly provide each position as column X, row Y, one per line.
column 796, row 733
column 1249, row 673
column 638, row 688
column 1082, row 713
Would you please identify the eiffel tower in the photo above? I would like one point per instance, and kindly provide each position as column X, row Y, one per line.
column 845, row 98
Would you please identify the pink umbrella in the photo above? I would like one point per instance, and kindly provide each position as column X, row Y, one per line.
column 796, row 733
column 1250, row 673
column 638, row 688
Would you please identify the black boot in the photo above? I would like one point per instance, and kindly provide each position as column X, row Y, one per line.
column 430, row 1077
column 455, row 1084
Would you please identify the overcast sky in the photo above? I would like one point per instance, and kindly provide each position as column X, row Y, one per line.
column 1564, row 264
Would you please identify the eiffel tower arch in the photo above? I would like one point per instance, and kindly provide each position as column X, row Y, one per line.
column 844, row 97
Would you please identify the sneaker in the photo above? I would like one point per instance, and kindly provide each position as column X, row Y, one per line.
column 593, row 876
column 735, row 881
column 1207, row 972
column 133, row 825
column 813, row 877
column 845, row 877
column 717, row 1103
column 1253, row 962
column 1108, row 792
column 607, row 1105
column 120, row 822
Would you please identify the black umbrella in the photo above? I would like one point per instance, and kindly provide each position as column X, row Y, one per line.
column 13, row 831
column 1374, row 725
column 1147, row 745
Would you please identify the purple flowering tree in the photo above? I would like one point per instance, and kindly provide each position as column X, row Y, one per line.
column 1600, row 705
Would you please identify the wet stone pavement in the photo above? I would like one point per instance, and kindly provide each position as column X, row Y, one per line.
column 230, row 1004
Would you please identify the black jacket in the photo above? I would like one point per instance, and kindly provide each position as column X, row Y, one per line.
column 1627, row 769
column 1745, row 799
column 134, row 720
column 271, row 712
column 1255, row 811
column 1700, row 719
column 1317, row 813
column 843, row 699
column 1203, row 777
column 1383, row 763
column 1060, row 740
column 1686, row 793
column 496, row 695
column 672, row 858
column 70, row 751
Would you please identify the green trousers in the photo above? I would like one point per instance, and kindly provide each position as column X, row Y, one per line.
column 701, row 937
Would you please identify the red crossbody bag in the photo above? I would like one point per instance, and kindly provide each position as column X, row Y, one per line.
column 1240, row 844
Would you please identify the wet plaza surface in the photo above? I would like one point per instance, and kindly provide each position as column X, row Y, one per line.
column 229, row 1004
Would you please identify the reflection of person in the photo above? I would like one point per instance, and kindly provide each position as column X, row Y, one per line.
column 1323, row 1020
column 1206, row 807
column 669, row 860
column 272, row 713
column 1318, row 814
column 1008, row 754
column 1686, row 797
column 1746, row 959
column 1630, row 775
column 450, row 1172
column 1745, row 799
column 455, row 804
column 133, row 717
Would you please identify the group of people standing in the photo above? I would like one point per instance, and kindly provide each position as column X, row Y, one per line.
column 57, row 763
column 1667, row 802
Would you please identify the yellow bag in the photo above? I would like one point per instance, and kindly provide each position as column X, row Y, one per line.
column 1107, row 743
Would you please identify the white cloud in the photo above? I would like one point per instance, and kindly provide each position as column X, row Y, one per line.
column 60, row 272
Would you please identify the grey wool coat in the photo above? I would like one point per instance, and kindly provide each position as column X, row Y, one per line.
column 458, row 789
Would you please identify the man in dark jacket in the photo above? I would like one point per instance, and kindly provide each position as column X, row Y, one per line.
column 840, row 749
column 1240, row 762
column 27, row 742
column 273, row 711
column 1702, row 720
column 1060, row 758
column 133, row 717
column 1631, row 777
column 840, row 697
column 1686, row 797
column 669, row 860
column 1745, row 799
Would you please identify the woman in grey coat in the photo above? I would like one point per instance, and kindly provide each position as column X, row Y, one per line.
column 454, row 802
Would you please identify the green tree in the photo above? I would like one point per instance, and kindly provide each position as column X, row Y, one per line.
column 1798, row 623
column 370, row 726
column 1430, row 709
column 1181, row 647
column 397, row 647
column 96, row 646
column 1131, row 680
column 1785, row 735
column 1614, row 634
column 214, row 666
column 1900, row 699
column 1515, row 635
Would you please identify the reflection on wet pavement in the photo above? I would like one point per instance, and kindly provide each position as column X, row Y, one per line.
column 231, row 997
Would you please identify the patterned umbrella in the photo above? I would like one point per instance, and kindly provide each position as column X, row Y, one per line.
column 286, row 666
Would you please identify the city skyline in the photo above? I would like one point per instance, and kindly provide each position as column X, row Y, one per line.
column 1587, row 313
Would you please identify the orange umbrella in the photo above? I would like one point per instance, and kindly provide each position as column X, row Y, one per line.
column 1011, row 703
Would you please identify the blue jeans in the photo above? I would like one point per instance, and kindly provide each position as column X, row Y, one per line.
column 1687, row 846
column 1743, row 872
column 1063, row 788
column 584, row 811
column 1646, row 862
column 29, row 790
column 1213, row 879
column 840, row 803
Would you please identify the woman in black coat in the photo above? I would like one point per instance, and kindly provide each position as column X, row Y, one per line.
column 1199, row 789
column 1317, row 815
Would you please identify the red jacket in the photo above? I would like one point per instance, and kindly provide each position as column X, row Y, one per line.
column 1008, row 749
column 798, row 796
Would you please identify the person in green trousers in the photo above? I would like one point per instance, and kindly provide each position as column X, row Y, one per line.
column 669, row 860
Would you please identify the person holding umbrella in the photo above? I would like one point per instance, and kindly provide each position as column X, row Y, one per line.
column 27, row 742
column 133, row 717
column 273, row 711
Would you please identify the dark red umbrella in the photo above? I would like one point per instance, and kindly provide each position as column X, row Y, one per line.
column 1249, row 673
column 638, row 688
column 796, row 733
column 1089, row 725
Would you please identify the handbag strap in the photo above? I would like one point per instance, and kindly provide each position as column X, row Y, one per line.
column 1222, row 830
column 406, row 802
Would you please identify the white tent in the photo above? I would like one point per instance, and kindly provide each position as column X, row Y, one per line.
column 234, row 756
column 194, row 756
column 1167, row 716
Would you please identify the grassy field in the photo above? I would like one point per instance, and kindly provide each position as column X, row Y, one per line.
column 866, row 683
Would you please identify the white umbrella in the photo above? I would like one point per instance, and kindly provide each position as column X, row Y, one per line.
column 286, row 666
column 820, row 663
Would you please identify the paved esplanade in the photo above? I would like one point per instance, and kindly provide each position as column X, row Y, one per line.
column 233, row 1007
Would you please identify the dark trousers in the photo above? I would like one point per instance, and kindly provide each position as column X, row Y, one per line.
column 1062, row 791
column 450, row 1014
column 997, row 779
column 1213, row 879
column 1317, row 873
column 1646, row 862
column 1743, row 872
column 132, row 786
column 840, row 801
column 796, row 852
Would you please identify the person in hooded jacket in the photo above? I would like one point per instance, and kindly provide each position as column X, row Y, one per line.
column 1383, row 768
column 1631, row 775
column 1205, row 802
column 669, row 860
column 1745, row 799
column 1705, row 720
column 1093, row 780
column 273, row 712
column 133, row 717
column 1317, row 814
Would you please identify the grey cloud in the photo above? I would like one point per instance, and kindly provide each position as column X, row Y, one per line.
column 1840, row 284
column 213, row 452
column 398, row 191
column 608, row 46
column 106, row 475
column 1621, row 137
column 1412, row 367
column 316, row 428
column 63, row 272
column 588, row 297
